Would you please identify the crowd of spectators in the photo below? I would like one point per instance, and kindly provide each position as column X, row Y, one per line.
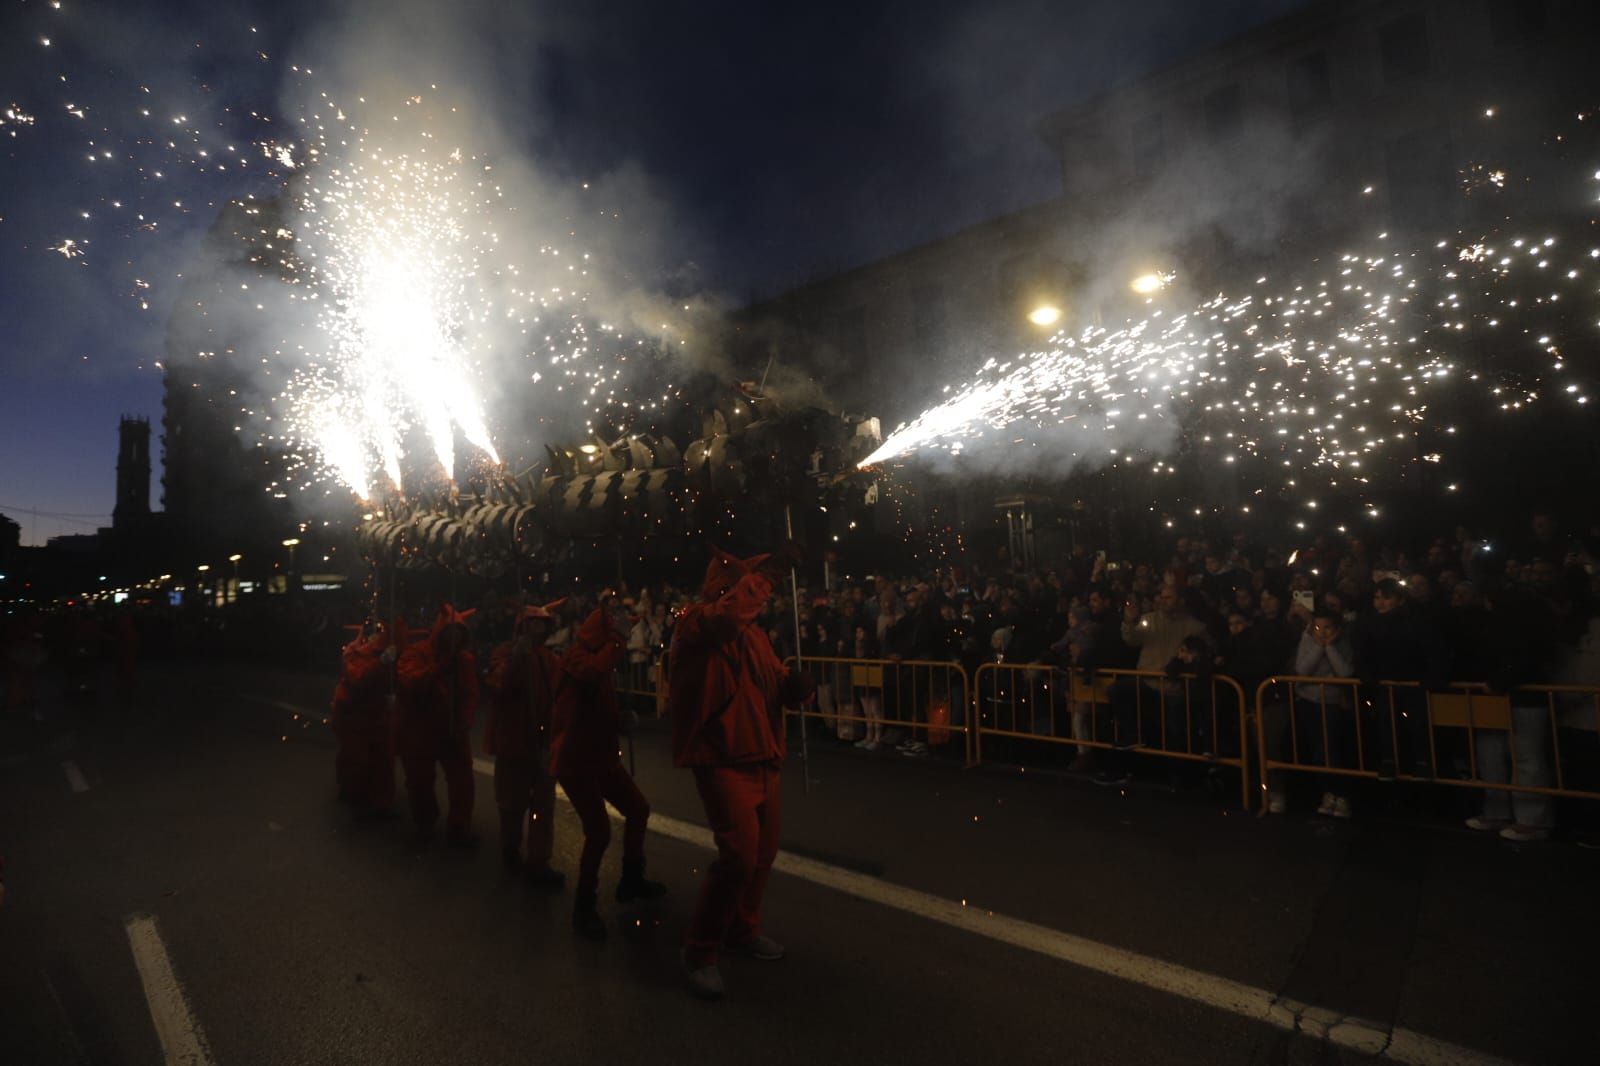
column 1459, row 610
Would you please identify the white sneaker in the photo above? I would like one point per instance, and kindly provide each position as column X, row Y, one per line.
column 704, row 982
column 862, row 743
column 1524, row 834
column 1487, row 825
column 760, row 946
column 1341, row 807
column 1277, row 803
column 869, row 745
column 1325, row 808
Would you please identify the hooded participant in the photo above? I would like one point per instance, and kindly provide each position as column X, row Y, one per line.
column 363, row 720
column 587, row 760
column 438, row 698
column 727, row 693
column 523, row 677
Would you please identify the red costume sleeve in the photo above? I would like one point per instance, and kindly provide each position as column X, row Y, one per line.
column 594, row 654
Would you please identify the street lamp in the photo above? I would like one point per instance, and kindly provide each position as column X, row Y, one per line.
column 290, row 544
column 1150, row 284
column 1045, row 315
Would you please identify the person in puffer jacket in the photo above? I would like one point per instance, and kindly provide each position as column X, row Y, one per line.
column 727, row 693
column 438, row 698
column 586, row 759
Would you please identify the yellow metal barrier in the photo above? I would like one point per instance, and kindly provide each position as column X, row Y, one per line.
column 645, row 681
column 932, row 700
column 1035, row 701
column 1507, row 742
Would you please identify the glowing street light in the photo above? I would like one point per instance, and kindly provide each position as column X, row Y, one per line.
column 1045, row 315
column 1149, row 284
column 290, row 544
column 203, row 567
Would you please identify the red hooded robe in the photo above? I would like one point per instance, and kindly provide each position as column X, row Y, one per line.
column 587, row 725
column 727, row 685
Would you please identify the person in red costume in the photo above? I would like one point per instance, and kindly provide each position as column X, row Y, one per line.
column 727, row 691
column 587, row 760
column 438, row 697
column 363, row 721
column 523, row 677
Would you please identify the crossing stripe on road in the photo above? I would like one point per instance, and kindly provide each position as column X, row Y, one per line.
column 182, row 1042
column 75, row 776
column 1248, row 1001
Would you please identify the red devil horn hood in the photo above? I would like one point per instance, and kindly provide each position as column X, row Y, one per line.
column 595, row 629
column 449, row 616
column 725, row 571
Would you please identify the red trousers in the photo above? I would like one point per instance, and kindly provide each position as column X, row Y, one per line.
column 455, row 759
column 364, row 768
column 523, row 787
column 589, row 794
column 744, row 807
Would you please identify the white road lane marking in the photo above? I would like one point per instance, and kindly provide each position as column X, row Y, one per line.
column 75, row 776
column 182, row 1042
column 1248, row 1001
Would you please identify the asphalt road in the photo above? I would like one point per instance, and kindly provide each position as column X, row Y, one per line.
column 932, row 915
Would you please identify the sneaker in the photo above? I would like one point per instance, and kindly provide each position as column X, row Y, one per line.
column 1341, row 807
column 760, row 946
column 915, row 749
column 1277, row 803
column 865, row 745
column 1325, row 808
column 1111, row 777
column 1487, row 825
column 905, row 745
column 705, row 982
column 1524, row 834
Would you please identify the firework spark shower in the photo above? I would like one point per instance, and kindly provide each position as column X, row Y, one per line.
column 394, row 249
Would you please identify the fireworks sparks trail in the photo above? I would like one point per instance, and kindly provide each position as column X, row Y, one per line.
column 373, row 298
column 1330, row 372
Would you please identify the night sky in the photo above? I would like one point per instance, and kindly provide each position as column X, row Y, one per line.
column 781, row 141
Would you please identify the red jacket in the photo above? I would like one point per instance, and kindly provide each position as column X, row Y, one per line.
column 522, row 696
column 436, row 695
column 587, row 726
column 727, row 685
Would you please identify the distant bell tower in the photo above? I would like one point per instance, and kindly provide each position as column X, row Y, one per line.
column 133, row 472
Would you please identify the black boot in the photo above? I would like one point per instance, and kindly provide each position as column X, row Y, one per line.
column 511, row 840
column 585, row 918
column 634, row 885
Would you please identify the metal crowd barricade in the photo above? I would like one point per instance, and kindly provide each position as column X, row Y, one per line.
column 913, row 694
column 1520, row 733
column 1035, row 701
column 1289, row 717
column 643, row 682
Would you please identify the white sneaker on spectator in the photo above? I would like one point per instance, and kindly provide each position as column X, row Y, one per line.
column 1486, row 825
column 863, row 742
column 1524, row 834
column 915, row 748
column 1325, row 808
column 870, row 745
column 1341, row 807
column 1277, row 803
